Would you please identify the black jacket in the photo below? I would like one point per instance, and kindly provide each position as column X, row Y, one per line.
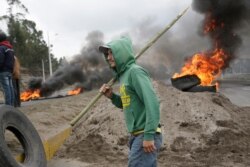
column 6, row 59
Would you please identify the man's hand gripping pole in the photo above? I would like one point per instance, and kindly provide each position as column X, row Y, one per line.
column 112, row 81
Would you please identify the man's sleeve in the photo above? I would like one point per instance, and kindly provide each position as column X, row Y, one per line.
column 145, row 91
column 116, row 100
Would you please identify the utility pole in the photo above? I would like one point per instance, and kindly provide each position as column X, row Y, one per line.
column 43, row 70
column 50, row 65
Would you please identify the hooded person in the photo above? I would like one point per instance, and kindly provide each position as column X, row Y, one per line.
column 6, row 68
column 138, row 100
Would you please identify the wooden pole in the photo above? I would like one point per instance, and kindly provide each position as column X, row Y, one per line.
column 112, row 81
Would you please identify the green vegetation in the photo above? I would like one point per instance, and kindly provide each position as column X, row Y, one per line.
column 28, row 42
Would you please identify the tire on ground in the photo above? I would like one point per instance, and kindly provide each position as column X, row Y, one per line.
column 15, row 121
column 185, row 82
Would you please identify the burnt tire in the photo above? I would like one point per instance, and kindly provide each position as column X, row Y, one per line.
column 202, row 89
column 15, row 121
column 185, row 82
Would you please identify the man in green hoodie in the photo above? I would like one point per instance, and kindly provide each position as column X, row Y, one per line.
column 138, row 100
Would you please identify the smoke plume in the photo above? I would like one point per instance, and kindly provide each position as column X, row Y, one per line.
column 232, row 19
column 222, row 20
column 87, row 69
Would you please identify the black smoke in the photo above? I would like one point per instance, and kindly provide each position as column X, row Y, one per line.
column 87, row 69
column 228, row 16
column 165, row 57
column 167, row 54
column 35, row 83
column 67, row 74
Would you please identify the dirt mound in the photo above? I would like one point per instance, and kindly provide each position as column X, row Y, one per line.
column 200, row 129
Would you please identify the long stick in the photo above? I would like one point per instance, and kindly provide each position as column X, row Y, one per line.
column 112, row 81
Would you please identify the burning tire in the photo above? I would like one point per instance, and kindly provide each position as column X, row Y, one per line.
column 185, row 82
column 15, row 121
column 190, row 83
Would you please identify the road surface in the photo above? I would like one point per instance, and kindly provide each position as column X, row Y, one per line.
column 237, row 91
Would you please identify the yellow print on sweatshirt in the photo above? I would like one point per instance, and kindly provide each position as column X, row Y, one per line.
column 125, row 98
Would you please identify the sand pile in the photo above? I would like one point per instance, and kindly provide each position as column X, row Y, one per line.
column 50, row 116
column 200, row 129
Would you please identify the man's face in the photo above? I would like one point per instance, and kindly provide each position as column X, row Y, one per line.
column 110, row 59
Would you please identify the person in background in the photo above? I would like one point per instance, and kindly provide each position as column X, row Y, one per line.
column 6, row 68
column 138, row 100
column 16, row 80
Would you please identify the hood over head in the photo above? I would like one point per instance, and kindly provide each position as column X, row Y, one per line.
column 122, row 51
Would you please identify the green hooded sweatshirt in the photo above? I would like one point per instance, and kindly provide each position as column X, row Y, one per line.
column 137, row 96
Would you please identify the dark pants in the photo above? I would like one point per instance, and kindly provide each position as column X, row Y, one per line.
column 17, row 102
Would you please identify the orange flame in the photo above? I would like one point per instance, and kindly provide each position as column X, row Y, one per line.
column 207, row 67
column 30, row 94
column 75, row 91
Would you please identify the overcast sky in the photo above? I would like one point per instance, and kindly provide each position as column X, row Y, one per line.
column 67, row 22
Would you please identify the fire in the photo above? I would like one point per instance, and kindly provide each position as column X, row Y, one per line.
column 207, row 66
column 212, row 25
column 75, row 91
column 30, row 94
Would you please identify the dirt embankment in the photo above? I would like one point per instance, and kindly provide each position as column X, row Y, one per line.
column 200, row 129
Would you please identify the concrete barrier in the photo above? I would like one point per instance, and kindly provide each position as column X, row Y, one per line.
column 51, row 144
